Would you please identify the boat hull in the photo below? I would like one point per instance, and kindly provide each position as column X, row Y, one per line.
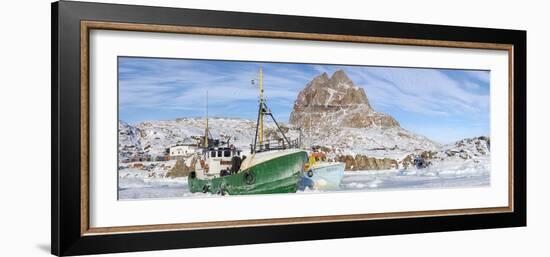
column 277, row 175
column 324, row 177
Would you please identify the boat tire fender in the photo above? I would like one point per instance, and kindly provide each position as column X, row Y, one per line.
column 310, row 173
column 249, row 178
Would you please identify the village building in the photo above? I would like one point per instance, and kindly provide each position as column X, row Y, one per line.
column 183, row 149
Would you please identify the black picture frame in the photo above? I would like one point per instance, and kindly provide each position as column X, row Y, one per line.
column 66, row 236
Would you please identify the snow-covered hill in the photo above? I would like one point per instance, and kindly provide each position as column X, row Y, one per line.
column 392, row 143
column 129, row 141
column 154, row 137
column 466, row 155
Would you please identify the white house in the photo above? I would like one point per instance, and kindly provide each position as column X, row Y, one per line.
column 182, row 150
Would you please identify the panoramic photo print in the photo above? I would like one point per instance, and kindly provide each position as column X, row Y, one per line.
column 215, row 128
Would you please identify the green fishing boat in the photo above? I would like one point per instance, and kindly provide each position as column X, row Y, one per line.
column 273, row 166
column 262, row 173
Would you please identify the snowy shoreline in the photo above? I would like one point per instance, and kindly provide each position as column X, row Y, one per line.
column 140, row 187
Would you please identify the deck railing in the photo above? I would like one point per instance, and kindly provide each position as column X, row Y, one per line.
column 274, row 144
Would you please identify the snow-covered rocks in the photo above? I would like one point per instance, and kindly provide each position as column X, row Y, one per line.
column 471, row 152
column 128, row 141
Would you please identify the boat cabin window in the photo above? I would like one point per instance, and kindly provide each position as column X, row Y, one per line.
column 226, row 153
column 213, row 154
column 219, row 153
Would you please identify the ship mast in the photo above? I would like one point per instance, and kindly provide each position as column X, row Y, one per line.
column 261, row 116
column 263, row 110
column 206, row 128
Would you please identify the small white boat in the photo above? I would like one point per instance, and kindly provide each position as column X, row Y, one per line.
column 322, row 175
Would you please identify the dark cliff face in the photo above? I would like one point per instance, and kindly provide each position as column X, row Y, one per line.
column 336, row 101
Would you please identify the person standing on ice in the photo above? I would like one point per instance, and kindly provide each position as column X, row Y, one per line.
column 418, row 162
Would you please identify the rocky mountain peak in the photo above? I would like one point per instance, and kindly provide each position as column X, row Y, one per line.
column 338, row 90
column 337, row 101
column 321, row 79
column 340, row 76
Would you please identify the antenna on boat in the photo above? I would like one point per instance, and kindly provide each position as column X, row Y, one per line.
column 206, row 128
column 259, row 137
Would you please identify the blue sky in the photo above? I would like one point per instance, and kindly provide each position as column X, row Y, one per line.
column 442, row 104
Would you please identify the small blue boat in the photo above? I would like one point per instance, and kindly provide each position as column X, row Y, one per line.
column 321, row 175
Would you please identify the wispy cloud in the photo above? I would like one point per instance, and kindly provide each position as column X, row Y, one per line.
column 182, row 84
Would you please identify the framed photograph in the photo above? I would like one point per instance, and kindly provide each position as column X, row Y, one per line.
column 178, row 128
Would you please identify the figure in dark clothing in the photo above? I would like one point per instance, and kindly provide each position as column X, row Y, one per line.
column 419, row 162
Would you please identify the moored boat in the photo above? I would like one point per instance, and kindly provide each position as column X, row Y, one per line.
column 267, row 172
column 321, row 175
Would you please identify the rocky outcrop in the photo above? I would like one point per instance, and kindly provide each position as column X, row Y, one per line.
column 469, row 148
column 180, row 169
column 408, row 161
column 363, row 162
column 462, row 150
column 336, row 101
